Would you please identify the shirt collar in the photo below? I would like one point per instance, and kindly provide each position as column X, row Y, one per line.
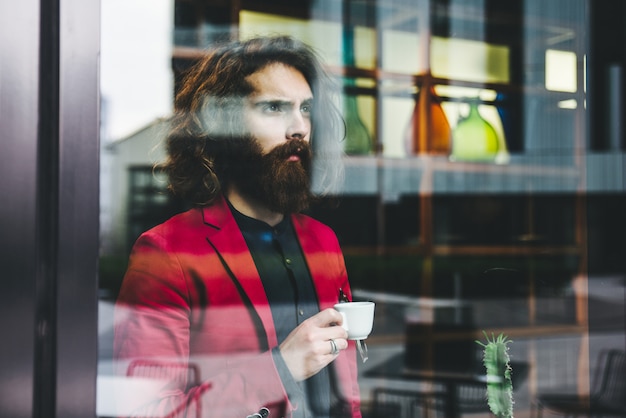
column 252, row 225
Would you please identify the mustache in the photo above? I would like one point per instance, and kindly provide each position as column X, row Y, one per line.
column 296, row 147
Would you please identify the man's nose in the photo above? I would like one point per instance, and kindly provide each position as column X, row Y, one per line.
column 299, row 126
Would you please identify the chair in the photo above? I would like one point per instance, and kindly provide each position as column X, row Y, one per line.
column 469, row 398
column 175, row 372
column 608, row 396
column 398, row 403
column 188, row 374
column 472, row 397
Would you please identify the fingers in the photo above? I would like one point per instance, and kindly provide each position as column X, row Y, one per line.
column 327, row 317
column 336, row 333
column 329, row 321
column 308, row 348
column 337, row 345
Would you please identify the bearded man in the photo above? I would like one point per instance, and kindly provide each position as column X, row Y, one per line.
column 241, row 287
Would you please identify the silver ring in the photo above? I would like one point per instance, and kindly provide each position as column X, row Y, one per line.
column 334, row 350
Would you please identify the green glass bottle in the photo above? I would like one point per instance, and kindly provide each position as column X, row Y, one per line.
column 474, row 139
column 358, row 140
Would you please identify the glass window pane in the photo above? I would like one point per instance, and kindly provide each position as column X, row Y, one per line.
column 486, row 209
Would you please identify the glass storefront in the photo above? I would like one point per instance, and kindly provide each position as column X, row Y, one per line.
column 476, row 203
column 483, row 196
column 482, row 201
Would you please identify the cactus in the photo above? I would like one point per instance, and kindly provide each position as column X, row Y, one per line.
column 499, row 384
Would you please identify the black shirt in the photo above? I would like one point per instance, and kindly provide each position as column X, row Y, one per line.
column 292, row 298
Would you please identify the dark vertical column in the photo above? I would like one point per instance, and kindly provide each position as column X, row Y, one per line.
column 19, row 80
column 509, row 30
column 604, row 216
column 606, row 61
column 47, row 210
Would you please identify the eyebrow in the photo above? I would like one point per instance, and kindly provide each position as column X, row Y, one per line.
column 281, row 102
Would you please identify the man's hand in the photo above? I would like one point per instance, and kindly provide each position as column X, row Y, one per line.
column 307, row 349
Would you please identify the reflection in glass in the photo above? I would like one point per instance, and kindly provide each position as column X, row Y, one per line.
column 472, row 235
column 357, row 140
column 474, row 138
column 428, row 130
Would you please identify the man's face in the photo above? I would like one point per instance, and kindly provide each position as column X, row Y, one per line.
column 279, row 108
column 273, row 165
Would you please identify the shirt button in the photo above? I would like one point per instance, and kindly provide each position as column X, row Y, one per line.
column 288, row 260
column 301, row 311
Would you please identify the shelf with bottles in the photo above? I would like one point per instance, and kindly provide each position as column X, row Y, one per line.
column 477, row 125
column 428, row 132
column 490, row 164
column 473, row 123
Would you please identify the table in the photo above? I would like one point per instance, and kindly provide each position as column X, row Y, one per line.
column 451, row 380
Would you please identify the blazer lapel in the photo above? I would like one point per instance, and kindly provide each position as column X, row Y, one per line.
column 225, row 236
column 317, row 261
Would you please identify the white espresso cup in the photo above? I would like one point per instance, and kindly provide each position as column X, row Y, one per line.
column 358, row 318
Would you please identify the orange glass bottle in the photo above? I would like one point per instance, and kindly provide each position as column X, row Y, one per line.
column 428, row 131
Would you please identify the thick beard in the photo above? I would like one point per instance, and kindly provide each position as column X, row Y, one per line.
column 280, row 185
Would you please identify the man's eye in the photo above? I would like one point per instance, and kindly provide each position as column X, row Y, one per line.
column 272, row 107
column 306, row 109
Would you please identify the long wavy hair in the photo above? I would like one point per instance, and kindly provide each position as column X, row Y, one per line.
column 208, row 118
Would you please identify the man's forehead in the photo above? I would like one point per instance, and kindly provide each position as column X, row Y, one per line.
column 280, row 80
